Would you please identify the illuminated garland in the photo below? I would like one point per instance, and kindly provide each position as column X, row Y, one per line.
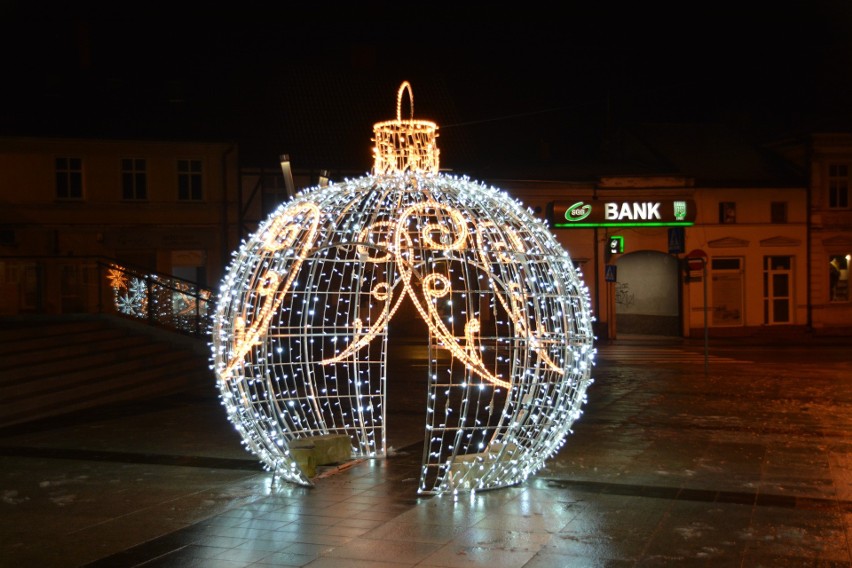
column 168, row 301
column 301, row 330
column 129, row 293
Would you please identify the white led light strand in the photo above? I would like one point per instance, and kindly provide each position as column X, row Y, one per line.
column 300, row 334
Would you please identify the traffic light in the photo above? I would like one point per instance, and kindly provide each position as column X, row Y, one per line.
column 615, row 245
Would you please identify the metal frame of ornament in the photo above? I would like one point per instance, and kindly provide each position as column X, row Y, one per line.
column 300, row 337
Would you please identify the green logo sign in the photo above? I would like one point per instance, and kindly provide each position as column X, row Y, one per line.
column 578, row 212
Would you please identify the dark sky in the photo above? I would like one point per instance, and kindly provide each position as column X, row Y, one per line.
column 769, row 68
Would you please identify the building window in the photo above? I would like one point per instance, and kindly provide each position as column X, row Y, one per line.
column 69, row 178
column 778, row 212
column 727, row 289
column 7, row 237
column 134, row 179
column 189, row 180
column 727, row 212
column 777, row 289
column 838, row 186
column 838, row 275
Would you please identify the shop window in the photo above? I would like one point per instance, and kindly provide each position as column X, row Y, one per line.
column 189, row 180
column 778, row 212
column 134, row 178
column 69, row 178
column 838, row 186
column 727, row 212
column 727, row 289
column 838, row 272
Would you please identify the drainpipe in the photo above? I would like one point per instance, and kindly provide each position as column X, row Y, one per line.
column 597, row 298
column 598, row 279
column 808, row 204
column 226, row 250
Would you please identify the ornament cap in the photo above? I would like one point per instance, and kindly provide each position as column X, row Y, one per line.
column 405, row 145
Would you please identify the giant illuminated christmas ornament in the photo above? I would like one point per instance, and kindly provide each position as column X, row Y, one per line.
column 300, row 337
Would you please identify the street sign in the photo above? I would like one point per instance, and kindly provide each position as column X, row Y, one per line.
column 675, row 240
column 616, row 244
column 609, row 273
column 696, row 260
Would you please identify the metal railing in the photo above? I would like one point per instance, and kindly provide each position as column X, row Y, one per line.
column 75, row 285
column 164, row 301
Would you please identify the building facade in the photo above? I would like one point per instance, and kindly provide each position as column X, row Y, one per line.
column 742, row 258
column 830, row 231
column 162, row 207
column 664, row 257
column 826, row 159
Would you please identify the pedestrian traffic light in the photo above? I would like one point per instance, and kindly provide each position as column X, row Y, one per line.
column 615, row 244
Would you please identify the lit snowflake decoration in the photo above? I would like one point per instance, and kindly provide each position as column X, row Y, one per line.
column 130, row 304
column 117, row 278
column 300, row 335
column 138, row 287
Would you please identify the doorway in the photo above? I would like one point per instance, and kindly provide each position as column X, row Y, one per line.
column 647, row 300
column 777, row 294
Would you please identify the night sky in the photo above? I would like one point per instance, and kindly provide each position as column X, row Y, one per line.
column 314, row 80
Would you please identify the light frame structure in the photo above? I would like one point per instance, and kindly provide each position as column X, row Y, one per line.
column 301, row 331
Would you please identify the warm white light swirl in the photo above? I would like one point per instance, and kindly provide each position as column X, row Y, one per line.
column 305, row 310
column 301, row 331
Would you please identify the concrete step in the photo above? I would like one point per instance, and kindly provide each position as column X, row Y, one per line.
column 43, row 345
column 76, row 356
column 56, row 366
column 153, row 384
column 104, row 367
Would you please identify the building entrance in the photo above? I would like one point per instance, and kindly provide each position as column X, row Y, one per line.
column 647, row 299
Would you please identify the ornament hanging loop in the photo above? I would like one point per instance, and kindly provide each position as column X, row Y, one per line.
column 406, row 86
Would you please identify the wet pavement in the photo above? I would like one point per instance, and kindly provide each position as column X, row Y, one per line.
column 747, row 464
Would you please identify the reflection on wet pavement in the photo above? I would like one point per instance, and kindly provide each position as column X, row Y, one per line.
column 748, row 465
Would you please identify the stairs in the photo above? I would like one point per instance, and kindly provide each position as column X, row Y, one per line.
column 55, row 366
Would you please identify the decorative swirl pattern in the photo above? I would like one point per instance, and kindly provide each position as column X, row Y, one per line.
column 438, row 236
column 301, row 332
column 300, row 335
column 284, row 232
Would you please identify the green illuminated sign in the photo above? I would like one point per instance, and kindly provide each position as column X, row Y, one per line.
column 650, row 213
column 616, row 244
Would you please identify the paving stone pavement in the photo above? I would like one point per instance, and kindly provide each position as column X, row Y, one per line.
column 747, row 464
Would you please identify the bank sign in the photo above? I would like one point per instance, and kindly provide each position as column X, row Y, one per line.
column 640, row 213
